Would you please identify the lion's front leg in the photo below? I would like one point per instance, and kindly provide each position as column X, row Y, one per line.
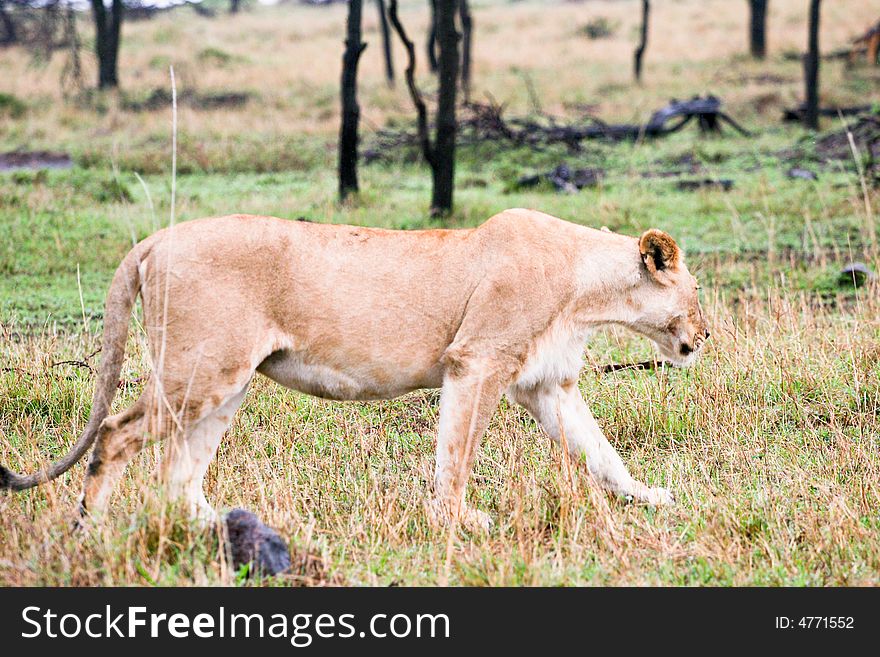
column 467, row 402
column 564, row 415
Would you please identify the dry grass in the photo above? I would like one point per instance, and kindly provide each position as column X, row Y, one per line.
column 770, row 443
column 289, row 57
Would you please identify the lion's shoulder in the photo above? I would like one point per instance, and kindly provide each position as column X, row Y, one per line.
column 533, row 234
column 526, row 219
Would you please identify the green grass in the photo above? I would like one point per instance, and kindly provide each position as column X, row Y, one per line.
column 88, row 217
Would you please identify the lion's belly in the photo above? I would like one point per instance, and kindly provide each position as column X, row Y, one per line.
column 294, row 370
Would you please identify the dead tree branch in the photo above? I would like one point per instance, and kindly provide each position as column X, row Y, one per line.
column 620, row 367
column 485, row 122
column 410, row 75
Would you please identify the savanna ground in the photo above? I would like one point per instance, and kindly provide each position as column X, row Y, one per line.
column 770, row 443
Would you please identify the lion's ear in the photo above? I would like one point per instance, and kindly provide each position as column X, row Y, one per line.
column 659, row 251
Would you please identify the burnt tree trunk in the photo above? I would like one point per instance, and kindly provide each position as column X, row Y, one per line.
column 811, row 70
column 10, row 35
column 467, row 27
column 108, row 26
column 444, row 142
column 432, row 37
column 758, row 28
column 348, row 132
column 643, row 42
column 234, row 6
column 386, row 42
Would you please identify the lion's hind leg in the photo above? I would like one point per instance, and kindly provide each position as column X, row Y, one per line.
column 119, row 439
column 188, row 454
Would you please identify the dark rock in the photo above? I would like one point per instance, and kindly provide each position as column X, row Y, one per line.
column 160, row 98
column 804, row 174
column 250, row 541
column 835, row 146
column 563, row 179
column 865, row 133
column 724, row 184
column 22, row 160
column 586, row 177
column 687, row 160
column 856, row 274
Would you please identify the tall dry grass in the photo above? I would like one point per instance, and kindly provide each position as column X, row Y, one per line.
column 289, row 58
column 770, row 444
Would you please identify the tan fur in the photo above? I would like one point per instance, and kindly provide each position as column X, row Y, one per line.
column 659, row 251
column 347, row 313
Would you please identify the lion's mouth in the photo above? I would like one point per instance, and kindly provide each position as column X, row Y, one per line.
column 677, row 349
column 681, row 353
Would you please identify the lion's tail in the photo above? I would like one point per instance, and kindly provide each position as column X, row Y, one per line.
column 117, row 313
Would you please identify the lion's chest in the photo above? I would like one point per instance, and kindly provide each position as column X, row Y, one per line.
column 556, row 356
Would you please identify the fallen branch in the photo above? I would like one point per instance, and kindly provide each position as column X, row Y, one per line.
column 868, row 43
column 82, row 363
column 831, row 55
column 619, row 367
column 79, row 363
column 796, row 114
column 485, row 122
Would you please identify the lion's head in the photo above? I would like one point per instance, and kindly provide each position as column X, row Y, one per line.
column 671, row 314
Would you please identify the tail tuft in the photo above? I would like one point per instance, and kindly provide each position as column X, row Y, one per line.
column 5, row 479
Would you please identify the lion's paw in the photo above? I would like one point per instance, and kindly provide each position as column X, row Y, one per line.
column 439, row 516
column 475, row 520
column 659, row 497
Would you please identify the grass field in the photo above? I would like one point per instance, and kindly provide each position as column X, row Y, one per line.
column 770, row 443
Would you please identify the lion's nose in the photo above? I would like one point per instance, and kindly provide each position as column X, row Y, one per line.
column 686, row 349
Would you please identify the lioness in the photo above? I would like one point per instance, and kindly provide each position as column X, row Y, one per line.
column 352, row 313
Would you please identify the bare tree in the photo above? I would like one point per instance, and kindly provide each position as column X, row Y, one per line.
column 415, row 94
column 386, row 42
column 440, row 154
column 643, row 40
column 41, row 27
column 71, row 73
column 108, row 26
column 348, row 132
column 447, row 70
column 10, row 35
column 431, row 41
column 467, row 27
column 811, row 69
column 758, row 28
